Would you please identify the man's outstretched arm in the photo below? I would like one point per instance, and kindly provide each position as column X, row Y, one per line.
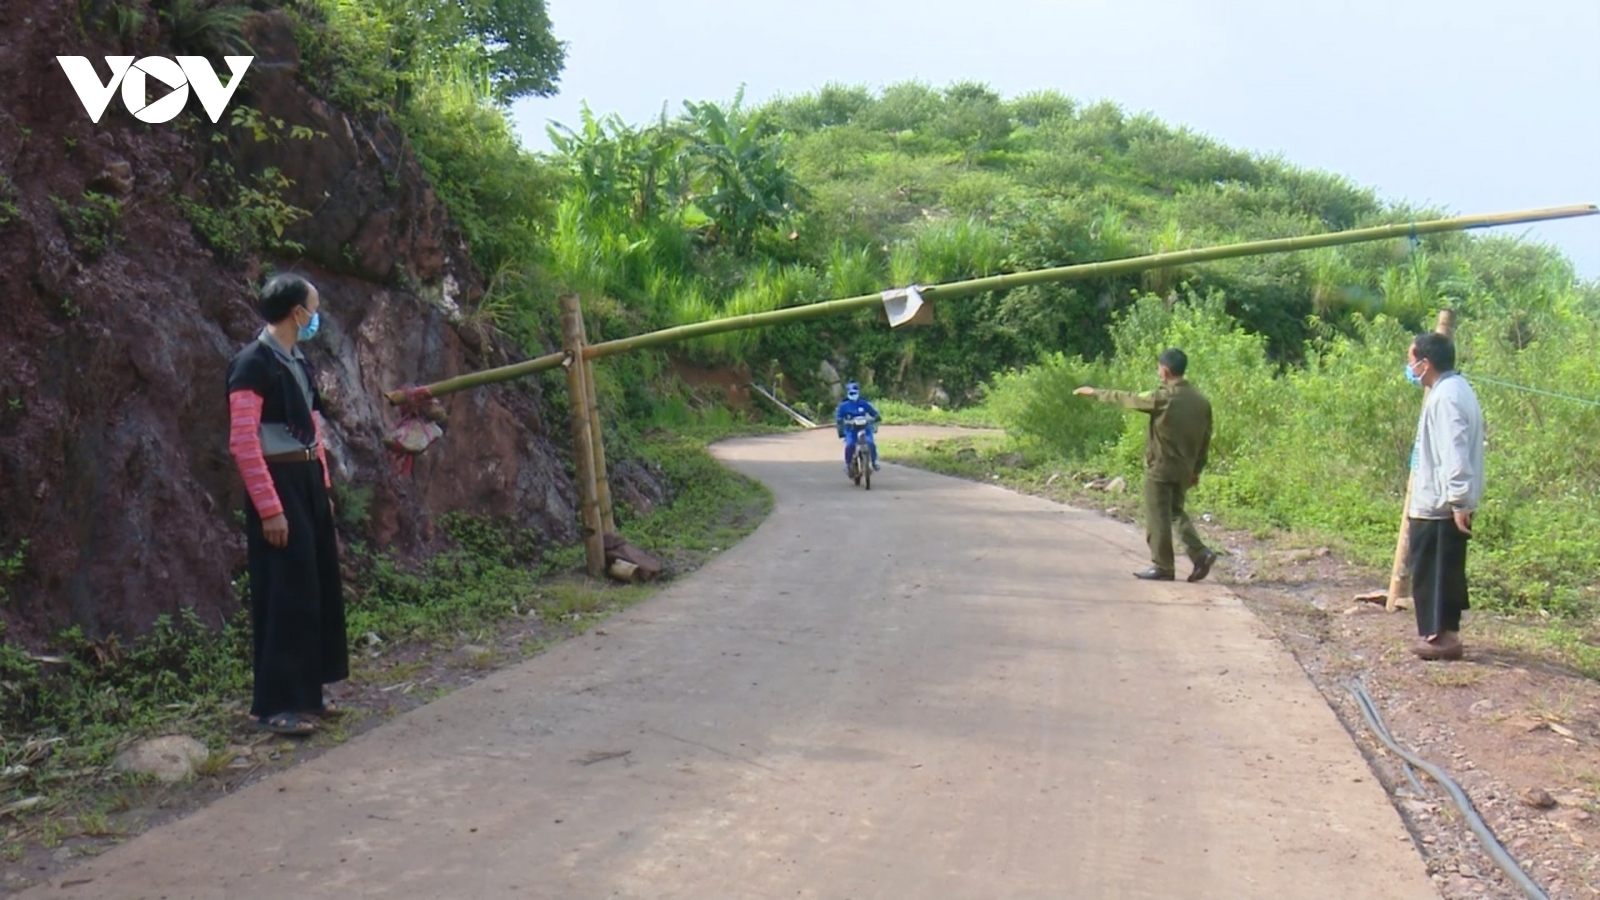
column 1148, row 402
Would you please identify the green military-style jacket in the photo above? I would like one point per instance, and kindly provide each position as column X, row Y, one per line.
column 1180, row 429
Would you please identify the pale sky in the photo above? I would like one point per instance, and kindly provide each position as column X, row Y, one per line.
column 1472, row 105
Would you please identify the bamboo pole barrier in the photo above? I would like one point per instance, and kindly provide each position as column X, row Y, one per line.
column 608, row 524
column 1085, row 270
column 1398, row 595
column 1004, row 282
column 582, row 437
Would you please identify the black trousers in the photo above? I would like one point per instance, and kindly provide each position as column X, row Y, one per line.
column 1438, row 575
column 296, row 600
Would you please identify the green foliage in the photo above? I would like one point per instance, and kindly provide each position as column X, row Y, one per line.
column 353, row 503
column 349, row 53
column 1324, row 446
column 183, row 673
column 239, row 216
column 122, row 21
column 9, row 211
column 250, row 217
column 499, row 195
column 12, row 565
column 712, row 506
column 898, row 412
column 209, row 28
column 746, row 182
column 370, row 55
column 92, row 224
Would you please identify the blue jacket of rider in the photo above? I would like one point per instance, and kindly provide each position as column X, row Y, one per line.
column 849, row 409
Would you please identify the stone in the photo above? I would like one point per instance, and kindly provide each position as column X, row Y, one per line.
column 116, row 178
column 168, row 759
column 828, row 373
column 1483, row 706
column 1117, row 485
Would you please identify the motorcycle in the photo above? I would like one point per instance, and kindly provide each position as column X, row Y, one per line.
column 861, row 459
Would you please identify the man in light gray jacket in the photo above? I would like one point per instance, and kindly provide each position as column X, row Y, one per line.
column 1446, row 487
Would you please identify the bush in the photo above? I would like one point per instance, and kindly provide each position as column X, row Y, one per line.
column 1325, row 446
column 91, row 226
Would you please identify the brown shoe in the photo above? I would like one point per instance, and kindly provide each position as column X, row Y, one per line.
column 1446, row 646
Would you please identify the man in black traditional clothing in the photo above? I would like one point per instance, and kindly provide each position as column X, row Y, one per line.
column 297, row 606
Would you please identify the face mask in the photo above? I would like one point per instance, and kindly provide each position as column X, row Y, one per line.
column 853, row 395
column 1412, row 376
column 309, row 330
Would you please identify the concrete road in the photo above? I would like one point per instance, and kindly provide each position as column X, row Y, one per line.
column 937, row 689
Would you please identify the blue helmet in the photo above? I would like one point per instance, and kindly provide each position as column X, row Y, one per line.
column 853, row 391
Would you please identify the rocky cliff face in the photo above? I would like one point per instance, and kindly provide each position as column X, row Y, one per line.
column 114, row 468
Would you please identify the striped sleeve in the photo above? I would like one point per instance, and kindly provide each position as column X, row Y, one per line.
column 244, row 442
column 322, row 450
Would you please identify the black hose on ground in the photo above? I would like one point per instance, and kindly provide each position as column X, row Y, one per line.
column 1376, row 720
column 1491, row 844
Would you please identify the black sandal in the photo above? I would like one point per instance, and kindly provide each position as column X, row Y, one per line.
column 291, row 724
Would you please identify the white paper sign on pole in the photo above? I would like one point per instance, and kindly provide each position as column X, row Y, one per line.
column 901, row 304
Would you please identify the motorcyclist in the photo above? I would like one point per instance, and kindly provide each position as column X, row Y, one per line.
column 851, row 407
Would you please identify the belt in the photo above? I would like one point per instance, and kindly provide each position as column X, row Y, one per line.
column 305, row 454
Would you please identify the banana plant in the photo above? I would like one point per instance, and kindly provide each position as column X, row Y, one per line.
column 745, row 179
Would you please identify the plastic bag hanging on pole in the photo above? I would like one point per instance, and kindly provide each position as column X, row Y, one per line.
column 422, row 421
column 905, row 306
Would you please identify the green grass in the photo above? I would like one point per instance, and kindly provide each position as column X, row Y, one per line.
column 899, row 412
column 1566, row 644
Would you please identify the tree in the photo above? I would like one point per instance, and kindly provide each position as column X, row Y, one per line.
column 509, row 40
column 523, row 54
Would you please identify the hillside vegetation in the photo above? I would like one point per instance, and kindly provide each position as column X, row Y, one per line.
column 719, row 208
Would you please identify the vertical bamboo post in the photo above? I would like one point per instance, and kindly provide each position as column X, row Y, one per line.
column 1399, row 577
column 608, row 524
column 582, row 437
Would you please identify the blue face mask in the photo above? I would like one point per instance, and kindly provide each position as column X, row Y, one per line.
column 309, row 330
column 1412, row 376
column 853, row 395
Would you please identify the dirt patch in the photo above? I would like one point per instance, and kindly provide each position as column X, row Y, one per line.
column 1519, row 734
column 726, row 385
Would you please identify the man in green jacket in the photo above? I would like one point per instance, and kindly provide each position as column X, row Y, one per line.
column 1174, row 454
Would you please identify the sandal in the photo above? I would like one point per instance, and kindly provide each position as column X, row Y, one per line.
column 291, row 724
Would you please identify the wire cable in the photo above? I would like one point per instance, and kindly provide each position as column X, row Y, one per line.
column 1518, row 387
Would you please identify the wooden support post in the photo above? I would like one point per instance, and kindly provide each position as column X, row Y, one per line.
column 1399, row 594
column 608, row 524
column 582, row 437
